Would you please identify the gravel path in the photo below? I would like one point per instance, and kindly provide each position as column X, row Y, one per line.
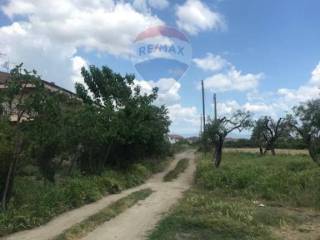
column 134, row 223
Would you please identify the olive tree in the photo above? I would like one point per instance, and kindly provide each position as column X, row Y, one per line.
column 267, row 131
column 257, row 136
column 306, row 122
column 216, row 131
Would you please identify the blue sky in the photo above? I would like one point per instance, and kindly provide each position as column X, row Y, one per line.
column 261, row 56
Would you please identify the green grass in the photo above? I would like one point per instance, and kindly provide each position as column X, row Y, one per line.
column 246, row 199
column 35, row 203
column 287, row 180
column 181, row 166
column 88, row 225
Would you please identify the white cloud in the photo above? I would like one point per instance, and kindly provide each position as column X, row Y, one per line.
column 311, row 90
column 228, row 107
column 194, row 16
column 186, row 120
column 46, row 35
column 315, row 76
column 233, row 79
column 256, row 108
column 227, row 77
column 211, row 62
column 77, row 63
column 276, row 104
column 168, row 93
column 180, row 114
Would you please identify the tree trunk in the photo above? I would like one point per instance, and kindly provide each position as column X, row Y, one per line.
column 218, row 152
column 273, row 151
column 261, row 150
column 313, row 153
column 11, row 174
column 8, row 185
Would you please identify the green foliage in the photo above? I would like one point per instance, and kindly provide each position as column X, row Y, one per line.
column 69, row 142
column 306, row 123
column 127, row 126
column 267, row 132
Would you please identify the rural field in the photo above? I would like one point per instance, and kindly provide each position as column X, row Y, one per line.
column 279, row 151
column 248, row 197
column 159, row 120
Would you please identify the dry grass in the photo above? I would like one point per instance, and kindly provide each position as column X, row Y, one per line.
column 278, row 151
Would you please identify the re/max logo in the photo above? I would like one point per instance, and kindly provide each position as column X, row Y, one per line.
column 152, row 48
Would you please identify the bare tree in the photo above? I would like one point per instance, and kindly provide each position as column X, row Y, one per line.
column 216, row 131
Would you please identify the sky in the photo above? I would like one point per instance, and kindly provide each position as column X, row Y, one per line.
column 258, row 56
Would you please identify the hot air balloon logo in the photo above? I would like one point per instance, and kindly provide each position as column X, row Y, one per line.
column 162, row 52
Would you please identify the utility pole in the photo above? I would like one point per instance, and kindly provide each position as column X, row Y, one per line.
column 201, row 128
column 203, row 107
column 215, row 106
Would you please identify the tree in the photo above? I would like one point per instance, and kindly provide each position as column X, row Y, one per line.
column 16, row 107
column 267, row 132
column 48, row 130
column 306, row 123
column 127, row 125
column 257, row 136
column 217, row 130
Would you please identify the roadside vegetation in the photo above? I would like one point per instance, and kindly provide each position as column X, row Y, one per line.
column 35, row 203
column 181, row 166
column 59, row 151
column 248, row 197
column 88, row 225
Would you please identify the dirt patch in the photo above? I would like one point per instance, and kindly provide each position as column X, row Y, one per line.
column 309, row 230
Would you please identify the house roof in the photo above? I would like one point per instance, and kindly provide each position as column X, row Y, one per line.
column 175, row 136
column 4, row 77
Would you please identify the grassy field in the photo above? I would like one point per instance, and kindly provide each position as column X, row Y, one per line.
column 278, row 151
column 249, row 197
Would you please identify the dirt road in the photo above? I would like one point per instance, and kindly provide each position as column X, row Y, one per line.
column 134, row 223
